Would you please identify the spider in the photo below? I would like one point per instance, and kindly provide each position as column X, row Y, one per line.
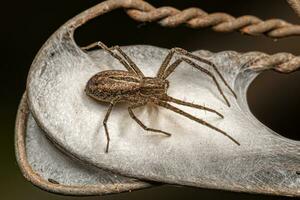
column 133, row 87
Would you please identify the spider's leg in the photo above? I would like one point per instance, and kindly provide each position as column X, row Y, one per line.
column 181, row 112
column 184, row 52
column 90, row 46
column 214, row 67
column 112, row 53
column 165, row 63
column 174, row 65
column 105, row 125
column 128, row 59
column 112, row 103
column 184, row 103
column 132, row 115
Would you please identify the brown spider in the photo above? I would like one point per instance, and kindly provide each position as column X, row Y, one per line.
column 131, row 86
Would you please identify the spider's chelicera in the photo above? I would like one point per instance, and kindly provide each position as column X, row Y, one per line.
column 133, row 87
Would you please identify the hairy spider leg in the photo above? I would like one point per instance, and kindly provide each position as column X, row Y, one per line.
column 139, row 122
column 184, row 52
column 128, row 59
column 191, row 117
column 174, row 65
column 112, row 104
column 184, row 103
column 105, row 126
column 165, row 64
column 129, row 65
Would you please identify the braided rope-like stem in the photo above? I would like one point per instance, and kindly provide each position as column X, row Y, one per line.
column 196, row 18
column 221, row 22
column 280, row 62
column 295, row 4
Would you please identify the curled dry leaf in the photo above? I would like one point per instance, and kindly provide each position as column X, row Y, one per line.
column 50, row 169
column 194, row 155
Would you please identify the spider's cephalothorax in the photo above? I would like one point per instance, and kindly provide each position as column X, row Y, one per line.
column 113, row 86
column 154, row 87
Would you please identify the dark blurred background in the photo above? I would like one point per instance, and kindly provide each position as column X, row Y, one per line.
column 25, row 25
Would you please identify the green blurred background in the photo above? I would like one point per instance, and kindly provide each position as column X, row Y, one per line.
column 25, row 25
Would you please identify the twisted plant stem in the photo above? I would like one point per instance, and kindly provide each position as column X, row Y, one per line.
column 196, row 18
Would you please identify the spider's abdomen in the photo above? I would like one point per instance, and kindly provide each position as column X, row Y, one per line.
column 107, row 85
